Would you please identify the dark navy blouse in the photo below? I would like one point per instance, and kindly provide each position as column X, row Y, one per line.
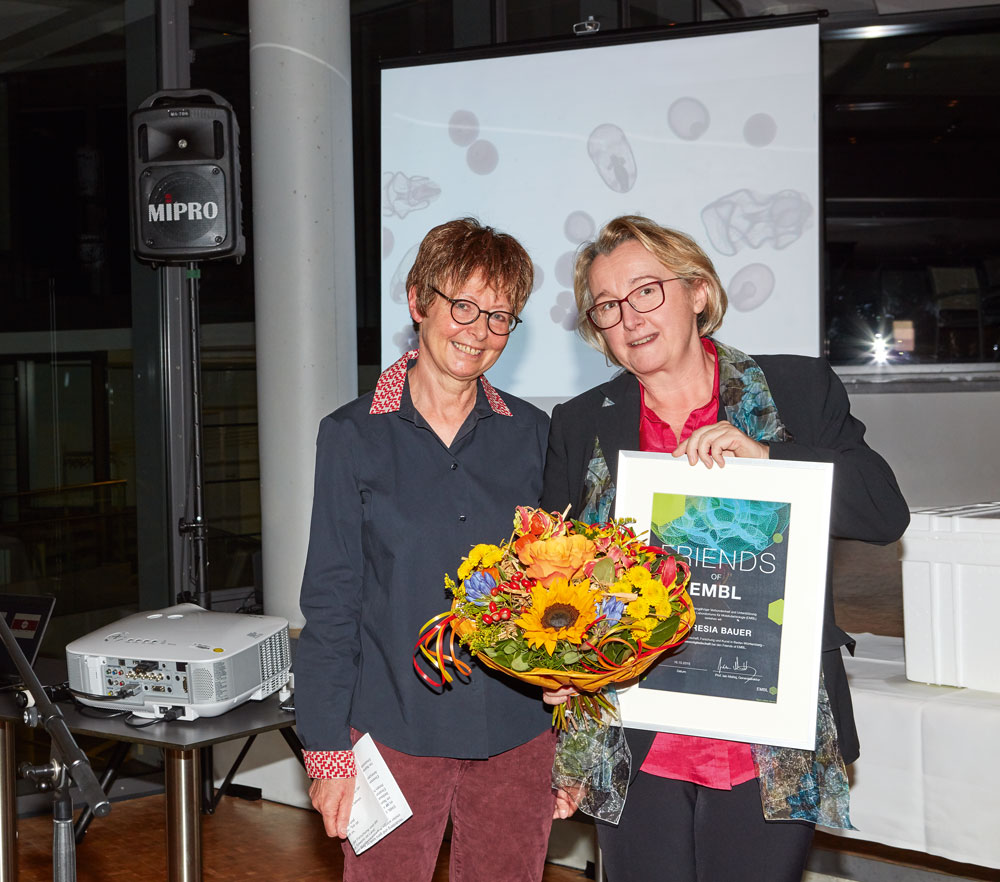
column 394, row 510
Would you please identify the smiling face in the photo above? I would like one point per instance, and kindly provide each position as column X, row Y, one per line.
column 646, row 343
column 459, row 352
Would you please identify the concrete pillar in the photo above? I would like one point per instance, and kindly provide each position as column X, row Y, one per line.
column 303, row 241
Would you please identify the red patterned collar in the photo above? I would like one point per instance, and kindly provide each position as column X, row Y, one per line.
column 389, row 389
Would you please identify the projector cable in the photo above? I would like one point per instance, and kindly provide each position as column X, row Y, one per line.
column 97, row 713
column 168, row 717
column 124, row 692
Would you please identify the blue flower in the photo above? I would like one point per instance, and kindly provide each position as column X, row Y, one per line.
column 478, row 586
column 611, row 608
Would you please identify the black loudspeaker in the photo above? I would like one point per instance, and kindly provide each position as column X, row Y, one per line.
column 184, row 171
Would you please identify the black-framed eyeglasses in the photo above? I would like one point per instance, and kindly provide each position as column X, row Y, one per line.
column 465, row 312
column 645, row 298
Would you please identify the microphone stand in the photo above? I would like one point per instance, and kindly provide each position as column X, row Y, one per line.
column 68, row 765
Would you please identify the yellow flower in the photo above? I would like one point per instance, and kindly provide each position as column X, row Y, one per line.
column 658, row 597
column 650, row 608
column 550, row 559
column 480, row 556
column 641, row 629
column 633, row 581
column 561, row 611
column 638, row 576
column 638, row 608
column 653, row 600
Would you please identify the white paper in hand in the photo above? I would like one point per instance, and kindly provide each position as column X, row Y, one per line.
column 379, row 805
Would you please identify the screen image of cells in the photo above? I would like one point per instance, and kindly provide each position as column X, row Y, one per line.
column 402, row 194
column 539, row 277
column 463, row 127
column 579, row 227
column 482, row 157
column 397, row 285
column 688, row 118
column 405, row 339
column 760, row 130
column 564, row 312
column 750, row 287
column 612, row 156
column 564, row 268
column 744, row 219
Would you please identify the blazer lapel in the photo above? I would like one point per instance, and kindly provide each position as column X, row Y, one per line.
column 618, row 421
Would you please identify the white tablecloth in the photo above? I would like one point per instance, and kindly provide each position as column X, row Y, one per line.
column 929, row 774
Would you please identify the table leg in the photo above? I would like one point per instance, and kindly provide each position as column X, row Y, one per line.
column 8, row 804
column 183, row 815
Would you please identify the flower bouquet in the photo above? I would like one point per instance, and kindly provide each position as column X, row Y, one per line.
column 562, row 603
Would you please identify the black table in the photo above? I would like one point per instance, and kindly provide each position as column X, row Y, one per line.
column 180, row 742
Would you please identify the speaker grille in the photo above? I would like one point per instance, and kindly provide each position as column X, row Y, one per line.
column 203, row 684
column 184, row 209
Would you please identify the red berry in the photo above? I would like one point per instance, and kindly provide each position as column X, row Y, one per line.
column 487, row 619
column 505, row 614
column 493, row 607
column 495, row 591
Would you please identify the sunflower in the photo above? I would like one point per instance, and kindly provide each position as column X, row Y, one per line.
column 561, row 611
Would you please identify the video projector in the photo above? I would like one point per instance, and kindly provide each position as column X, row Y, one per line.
column 183, row 657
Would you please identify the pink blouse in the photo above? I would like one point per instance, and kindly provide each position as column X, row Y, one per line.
column 706, row 761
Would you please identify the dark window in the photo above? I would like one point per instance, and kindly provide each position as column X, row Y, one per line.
column 911, row 132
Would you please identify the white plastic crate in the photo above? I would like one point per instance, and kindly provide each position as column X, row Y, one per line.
column 951, row 596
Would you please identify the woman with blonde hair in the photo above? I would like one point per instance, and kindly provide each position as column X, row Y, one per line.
column 701, row 809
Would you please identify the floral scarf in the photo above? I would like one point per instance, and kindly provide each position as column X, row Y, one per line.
column 801, row 785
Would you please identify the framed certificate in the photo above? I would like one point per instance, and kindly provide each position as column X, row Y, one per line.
column 756, row 534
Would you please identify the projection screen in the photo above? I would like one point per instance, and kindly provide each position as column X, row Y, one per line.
column 714, row 135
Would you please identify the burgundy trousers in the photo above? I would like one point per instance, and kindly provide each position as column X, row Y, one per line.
column 500, row 809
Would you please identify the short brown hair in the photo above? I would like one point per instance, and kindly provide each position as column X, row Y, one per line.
column 673, row 249
column 452, row 253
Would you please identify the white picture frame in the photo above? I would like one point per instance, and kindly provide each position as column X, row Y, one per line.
column 745, row 627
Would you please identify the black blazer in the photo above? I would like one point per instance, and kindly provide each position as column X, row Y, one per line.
column 814, row 407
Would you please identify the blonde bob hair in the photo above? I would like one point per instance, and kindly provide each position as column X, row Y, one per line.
column 675, row 250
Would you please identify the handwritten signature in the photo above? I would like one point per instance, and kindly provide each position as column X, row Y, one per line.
column 747, row 672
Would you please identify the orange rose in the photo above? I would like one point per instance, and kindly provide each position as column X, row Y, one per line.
column 523, row 542
column 548, row 559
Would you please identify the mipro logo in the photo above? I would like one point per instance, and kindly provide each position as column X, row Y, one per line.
column 169, row 210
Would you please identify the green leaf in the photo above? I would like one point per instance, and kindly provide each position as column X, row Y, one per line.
column 663, row 632
column 604, row 571
column 520, row 664
column 615, row 652
column 571, row 657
